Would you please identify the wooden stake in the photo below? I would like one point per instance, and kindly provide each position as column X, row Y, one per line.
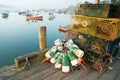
column 96, row 1
column 42, row 37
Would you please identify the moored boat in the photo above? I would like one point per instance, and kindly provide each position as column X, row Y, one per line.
column 4, row 15
column 31, row 17
column 51, row 16
column 63, row 28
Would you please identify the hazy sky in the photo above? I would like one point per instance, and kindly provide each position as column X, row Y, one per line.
column 42, row 3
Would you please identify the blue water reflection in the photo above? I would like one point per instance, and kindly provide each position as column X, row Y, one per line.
column 18, row 36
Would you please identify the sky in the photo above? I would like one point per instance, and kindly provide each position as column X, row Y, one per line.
column 46, row 4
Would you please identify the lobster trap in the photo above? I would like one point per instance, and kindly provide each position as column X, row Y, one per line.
column 104, row 28
column 98, row 28
column 99, row 10
column 98, row 52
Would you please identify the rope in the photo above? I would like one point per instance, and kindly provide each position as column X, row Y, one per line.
column 26, row 65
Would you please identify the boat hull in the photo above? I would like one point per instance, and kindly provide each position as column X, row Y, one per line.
column 34, row 17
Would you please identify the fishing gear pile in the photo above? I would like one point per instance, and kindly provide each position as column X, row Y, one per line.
column 64, row 54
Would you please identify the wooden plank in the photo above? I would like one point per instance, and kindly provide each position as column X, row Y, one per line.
column 93, row 75
column 112, row 74
column 43, row 74
column 77, row 74
column 56, row 76
column 7, row 74
column 6, row 68
column 33, row 57
column 27, row 73
column 118, row 77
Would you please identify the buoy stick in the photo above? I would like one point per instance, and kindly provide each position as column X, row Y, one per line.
column 44, row 60
column 81, row 62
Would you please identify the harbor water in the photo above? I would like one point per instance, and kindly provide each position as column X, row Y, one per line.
column 19, row 37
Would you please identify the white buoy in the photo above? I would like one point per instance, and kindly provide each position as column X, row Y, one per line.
column 73, row 58
column 57, row 42
column 53, row 59
column 51, row 52
column 58, row 63
column 65, row 64
column 60, row 47
column 69, row 43
column 79, row 53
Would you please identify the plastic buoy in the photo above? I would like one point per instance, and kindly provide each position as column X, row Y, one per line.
column 53, row 59
column 73, row 58
column 51, row 52
column 57, row 42
column 58, row 63
column 60, row 47
column 79, row 53
column 65, row 64
column 69, row 43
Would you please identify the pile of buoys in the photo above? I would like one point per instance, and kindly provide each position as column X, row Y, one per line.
column 64, row 54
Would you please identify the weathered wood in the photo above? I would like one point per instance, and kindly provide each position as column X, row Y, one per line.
column 76, row 75
column 42, row 37
column 93, row 75
column 6, row 68
column 118, row 77
column 43, row 74
column 112, row 74
column 46, row 71
column 5, row 75
column 21, row 75
column 33, row 57
column 57, row 76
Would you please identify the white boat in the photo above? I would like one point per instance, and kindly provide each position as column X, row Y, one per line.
column 51, row 16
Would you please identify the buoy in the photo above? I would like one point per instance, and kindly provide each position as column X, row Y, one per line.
column 79, row 53
column 60, row 47
column 69, row 43
column 58, row 63
column 57, row 42
column 51, row 52
column 73, row 58
column 65, row 64
column 65, row 54
column 53, row 59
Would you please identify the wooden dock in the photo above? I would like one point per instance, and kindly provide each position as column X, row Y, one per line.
column 46, row 71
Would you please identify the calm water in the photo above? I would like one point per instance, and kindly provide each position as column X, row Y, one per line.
column 19, row 37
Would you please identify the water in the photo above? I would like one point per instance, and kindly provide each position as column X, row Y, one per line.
column 19, row 37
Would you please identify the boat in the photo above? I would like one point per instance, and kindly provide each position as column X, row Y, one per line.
column 32, row 17
column 22, row 13
column 4, row 15
column 63, row 28
column 51, row 16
